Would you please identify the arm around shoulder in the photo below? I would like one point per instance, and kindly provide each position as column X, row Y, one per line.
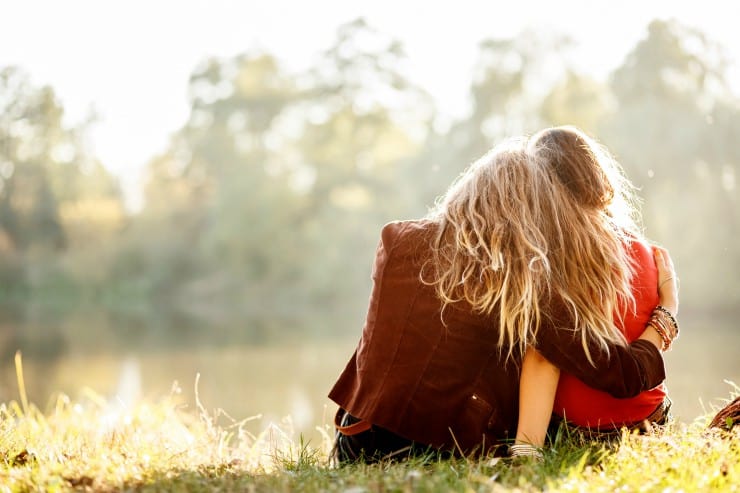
column 622, row 371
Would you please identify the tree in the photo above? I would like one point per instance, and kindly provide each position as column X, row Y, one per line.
column 57, row 203
column 674, row 130
column 218, row 202
column 578, row 100
column 53, row 194
column 30, row 127
column 511, row 78
column 279, row 182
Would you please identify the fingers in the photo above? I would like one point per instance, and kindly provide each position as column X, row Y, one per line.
column 667, row 279
column 664, row 262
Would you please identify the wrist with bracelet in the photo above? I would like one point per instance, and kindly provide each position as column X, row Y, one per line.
column 665, row 324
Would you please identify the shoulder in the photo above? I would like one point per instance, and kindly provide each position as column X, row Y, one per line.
column 641, row 253
column 408, row 231
column 405, row 243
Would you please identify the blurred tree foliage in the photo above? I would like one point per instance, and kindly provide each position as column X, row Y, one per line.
column 675, row 129
column 276, row 182
column 54, row 196
column 268, row 202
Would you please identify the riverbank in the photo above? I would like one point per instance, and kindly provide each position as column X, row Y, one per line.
column 93, row 444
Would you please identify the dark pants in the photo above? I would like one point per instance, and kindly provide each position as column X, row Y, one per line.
column 374, row 444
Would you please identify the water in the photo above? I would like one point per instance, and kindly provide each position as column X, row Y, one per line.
column 244, row 369
column 258, row 372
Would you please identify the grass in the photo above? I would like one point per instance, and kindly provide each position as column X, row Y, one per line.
column 94, row 445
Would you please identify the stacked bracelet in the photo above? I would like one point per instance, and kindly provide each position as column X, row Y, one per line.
column 670, row 317
column 665, row 324
column 526, row 450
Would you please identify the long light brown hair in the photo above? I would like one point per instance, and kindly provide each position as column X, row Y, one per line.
column 589, row 219
column 533, row 221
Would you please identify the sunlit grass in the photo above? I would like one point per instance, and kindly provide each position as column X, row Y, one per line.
column 98, row 445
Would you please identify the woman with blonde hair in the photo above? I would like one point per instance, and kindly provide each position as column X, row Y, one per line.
column 604, row 269
column 457, row 298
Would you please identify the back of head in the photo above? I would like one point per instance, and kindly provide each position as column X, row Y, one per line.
column 589, row 173
column 490, row 251
column 588, row 217
column 573, row 158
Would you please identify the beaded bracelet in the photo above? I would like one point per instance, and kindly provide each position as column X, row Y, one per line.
column 670, row 316
column 664, row 337
column 665, row 333
column 665, row 324
column 661, row 324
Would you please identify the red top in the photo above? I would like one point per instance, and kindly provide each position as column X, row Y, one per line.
column 585, row 406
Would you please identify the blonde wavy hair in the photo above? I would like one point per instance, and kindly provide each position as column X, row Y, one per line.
column 489, row 250
column 537, row 220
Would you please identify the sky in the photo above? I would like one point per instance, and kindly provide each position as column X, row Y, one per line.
column 129, row 62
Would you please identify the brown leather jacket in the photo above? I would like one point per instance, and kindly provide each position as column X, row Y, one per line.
column 430, row 382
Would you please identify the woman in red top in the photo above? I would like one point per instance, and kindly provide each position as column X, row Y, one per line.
column 584, row 406
column 587, row 177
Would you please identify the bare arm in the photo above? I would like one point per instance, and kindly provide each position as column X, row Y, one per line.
column 539, row 378
column 537, row 386
column 624, row 371
column 667, row 289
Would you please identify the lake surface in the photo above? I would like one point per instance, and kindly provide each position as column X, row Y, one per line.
column 270, row 376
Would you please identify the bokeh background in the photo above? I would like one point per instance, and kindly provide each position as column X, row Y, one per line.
column 197, row 187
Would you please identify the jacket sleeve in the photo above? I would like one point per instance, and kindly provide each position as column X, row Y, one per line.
column 625, row 371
